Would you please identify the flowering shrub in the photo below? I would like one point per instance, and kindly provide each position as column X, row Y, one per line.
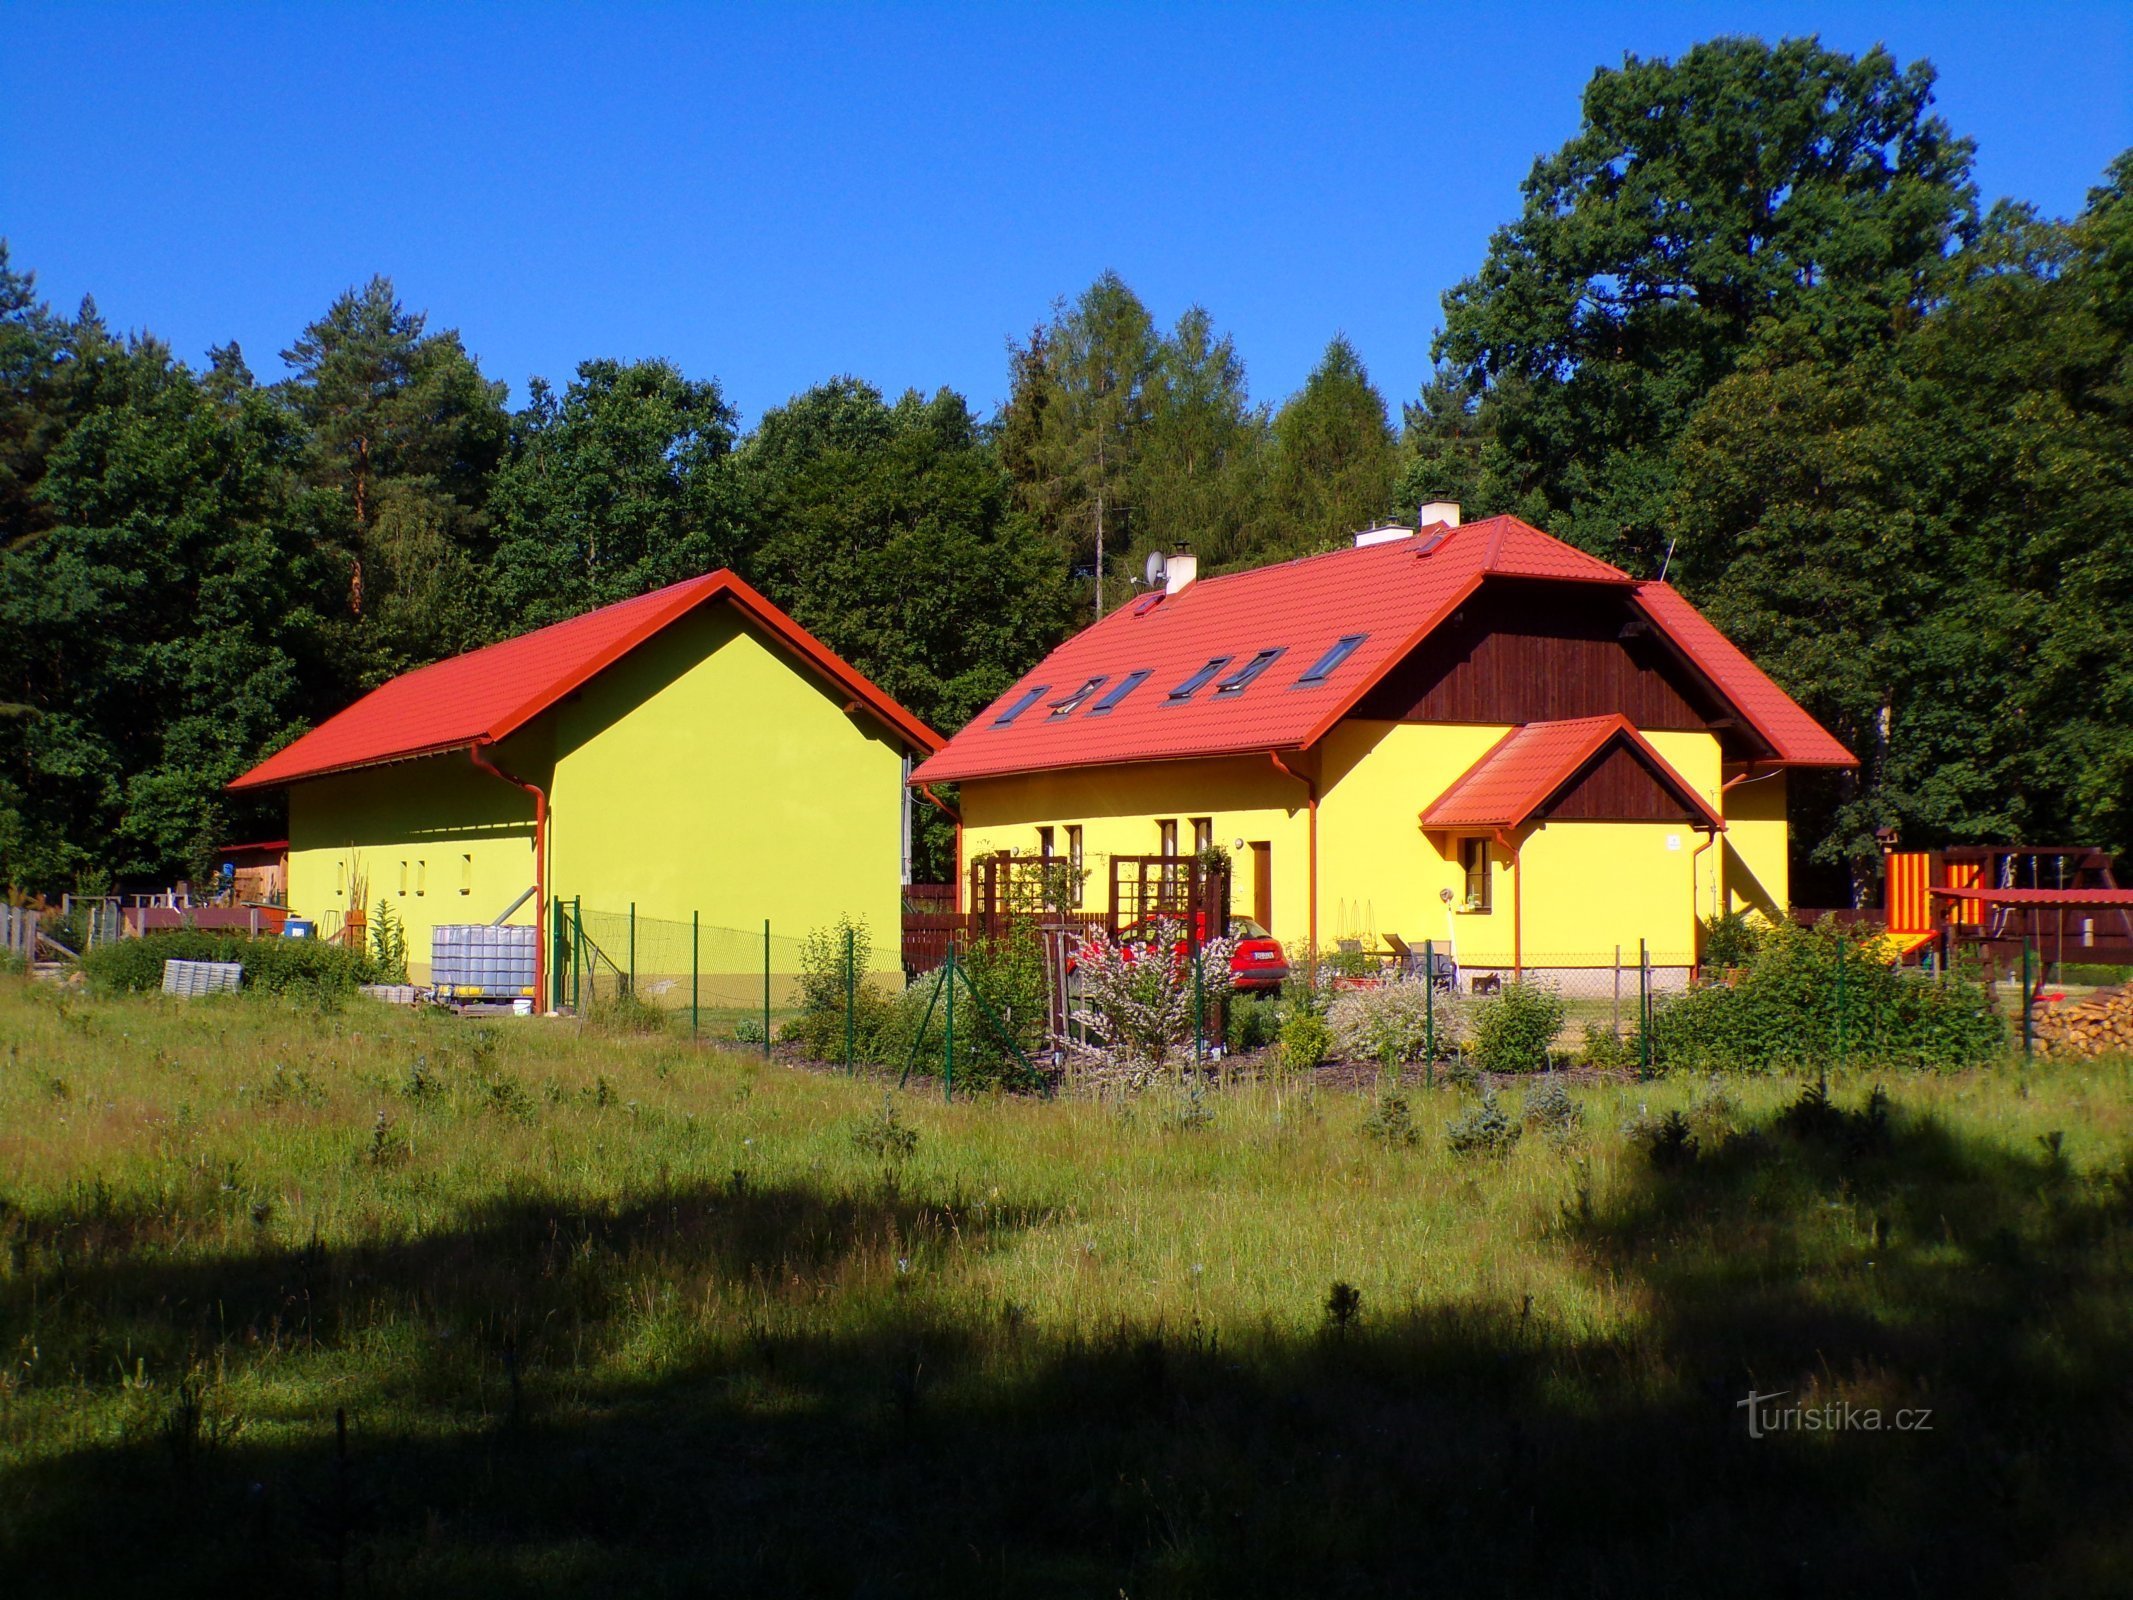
column 1137, row 1003
column 1389, row 1024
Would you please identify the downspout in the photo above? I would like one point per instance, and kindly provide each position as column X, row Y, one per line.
column 541, row 998
column 1518, row 910
column 955, row 817
column 1311, row 793
column 1710, row 837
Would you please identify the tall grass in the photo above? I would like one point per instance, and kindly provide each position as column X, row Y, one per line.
column 603, row 1311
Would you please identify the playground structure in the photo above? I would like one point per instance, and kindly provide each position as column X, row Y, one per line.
column 2061, row 902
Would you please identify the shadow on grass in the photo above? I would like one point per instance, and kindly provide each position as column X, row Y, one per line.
column 903, row 1453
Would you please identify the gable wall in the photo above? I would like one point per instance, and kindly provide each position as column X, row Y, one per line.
column 1535, row 652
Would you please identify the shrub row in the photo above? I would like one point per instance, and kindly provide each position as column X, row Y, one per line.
column 271, row 965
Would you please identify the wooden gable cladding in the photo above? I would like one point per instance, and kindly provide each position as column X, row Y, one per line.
column 1619, row 785
column 1522, row 651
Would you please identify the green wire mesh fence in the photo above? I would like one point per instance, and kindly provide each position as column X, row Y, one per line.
column 720, row 982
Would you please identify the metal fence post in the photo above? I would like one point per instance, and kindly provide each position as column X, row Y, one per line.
column 1618, row 992
column 633, row 947
column 1199, row 1012
column 577, row 953
column 766, row 988
column 851, row 987
column 1429, row 1013
column 696, row 966
column 2029, row 1006
column 1842, row 950
column 1644, row 1010
column 948, row 1051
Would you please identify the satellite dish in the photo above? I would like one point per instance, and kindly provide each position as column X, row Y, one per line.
column 1157, row 569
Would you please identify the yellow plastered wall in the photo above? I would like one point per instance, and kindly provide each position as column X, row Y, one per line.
column 1758, row 859
column 1586, row 886
column 439, row 841
column 1118, row 808
column 1377, row 872
column 710, row 772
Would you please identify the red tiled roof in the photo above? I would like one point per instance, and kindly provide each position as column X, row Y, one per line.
column 487, row 694
column 1530, row 763
column 2050, row 899
column 1798, row 739
column 1393, row 594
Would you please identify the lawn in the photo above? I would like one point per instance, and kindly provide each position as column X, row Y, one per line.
column 354, row 1301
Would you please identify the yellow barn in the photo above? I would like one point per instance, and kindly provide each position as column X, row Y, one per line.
column 1476, row 736
column 693, row 751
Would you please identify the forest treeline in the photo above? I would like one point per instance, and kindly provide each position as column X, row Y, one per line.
column 1752, row 324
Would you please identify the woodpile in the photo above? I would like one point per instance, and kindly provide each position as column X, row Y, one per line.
column 2101, row 1025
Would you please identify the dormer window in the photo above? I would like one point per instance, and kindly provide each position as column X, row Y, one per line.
column 1329, row 663
column 1065, row 707
column 1029, row 698
column 1199, row 680
column 1240, row 680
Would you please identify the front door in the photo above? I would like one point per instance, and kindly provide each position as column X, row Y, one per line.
column 1263, row 883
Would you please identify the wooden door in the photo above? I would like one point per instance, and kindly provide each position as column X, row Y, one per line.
column 1263, row 883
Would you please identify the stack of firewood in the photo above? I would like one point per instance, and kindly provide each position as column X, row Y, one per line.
column 2098, row 1026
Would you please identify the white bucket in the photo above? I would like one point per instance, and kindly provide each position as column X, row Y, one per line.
column 522, row 1007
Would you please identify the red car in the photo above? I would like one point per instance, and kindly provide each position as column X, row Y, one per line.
column 1256, row 964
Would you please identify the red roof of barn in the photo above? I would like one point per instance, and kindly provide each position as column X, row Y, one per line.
column 487, row 694
column 1531, row 763
column 1392, row 595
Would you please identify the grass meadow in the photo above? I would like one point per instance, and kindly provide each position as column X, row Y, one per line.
column 354, row 1301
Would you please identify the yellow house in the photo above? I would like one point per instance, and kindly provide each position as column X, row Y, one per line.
column 693, row 752
column 1473, row 735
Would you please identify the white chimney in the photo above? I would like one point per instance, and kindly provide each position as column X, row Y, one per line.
column 1179, row 570
column 1384, row 534
column 1444, row 511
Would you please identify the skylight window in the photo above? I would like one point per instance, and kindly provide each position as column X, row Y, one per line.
column 1329, row 663
column 1125, row 686
column 1029, row 698
column 1065, row 707
column 1192, row 685
column 1240, row 680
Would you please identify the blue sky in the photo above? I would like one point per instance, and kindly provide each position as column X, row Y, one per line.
column 773, row 195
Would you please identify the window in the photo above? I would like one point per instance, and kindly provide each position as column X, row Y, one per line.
column 466, row 874
column 1240, row 680
column 1074, row 875
column 1061, row 708
column 422, row 876
column 1203, row 835
column 1029, row 698
column 340, row 877
column 403, row 877
column 1474, row 860
column 1326, row 665
column 1044, row 843
column 1192, row 685
column 1166, row 836
column 1125, row 686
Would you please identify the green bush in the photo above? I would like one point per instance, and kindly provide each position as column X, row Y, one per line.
column 271, row 965
column 1483, row 1131
column 1784, row 1011
column 1305, row 1039
column 820, row 1026
column 1731, row 940
column 1008, row 975
column 1513, row 1031
column 1254, row 1022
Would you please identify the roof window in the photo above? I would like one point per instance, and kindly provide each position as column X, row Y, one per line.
column 1065, row 707
column 1125, row 686
column 1029, row 698
column 1240, row 680
column 1192, row 685
column 1329, row 663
